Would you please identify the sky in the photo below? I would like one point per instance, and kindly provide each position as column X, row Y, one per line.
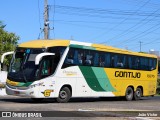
column 126, row 24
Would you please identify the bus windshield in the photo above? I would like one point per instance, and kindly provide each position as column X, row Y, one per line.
column 22, row 67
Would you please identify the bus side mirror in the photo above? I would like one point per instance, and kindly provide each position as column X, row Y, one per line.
column 0, row 66
column 40, row 56
column 2, row 58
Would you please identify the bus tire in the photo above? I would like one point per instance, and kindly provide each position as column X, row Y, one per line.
column 129, row 94
column 64, row 95
column 138, row 94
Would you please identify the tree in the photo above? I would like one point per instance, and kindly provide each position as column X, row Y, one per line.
column 8, row 42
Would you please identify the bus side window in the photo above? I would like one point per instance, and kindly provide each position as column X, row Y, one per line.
column 75, row 57
column 96, row 59
column 144, row 63
column 107, row 60
column 70, row 57
column 120, row 60
column 125, row 61
column 69, row 60
column 80, row 56
column 135, row 62
column 101, row 59
column 112, row 60
column 152, row 64
column 130, row 62
column 57, row 50
column 45, row 68
column 88, row 59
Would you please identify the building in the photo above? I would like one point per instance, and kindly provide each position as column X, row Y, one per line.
column 152, row 51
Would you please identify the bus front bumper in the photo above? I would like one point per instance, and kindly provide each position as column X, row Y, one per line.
column 23, row 93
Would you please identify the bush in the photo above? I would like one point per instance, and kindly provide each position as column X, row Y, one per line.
column 158, row 86
column 2, row 85
column 158, row 91
column 158, row 82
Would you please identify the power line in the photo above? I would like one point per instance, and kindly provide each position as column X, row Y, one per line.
column 151, row 5
column 88, row 11
column 91, row 22
column 140, row 34
column 86, row 26
column 148, row 43
column 101, row 13
column 121, row 21
column 104, row 16
column 127, row 31
column 95, row 27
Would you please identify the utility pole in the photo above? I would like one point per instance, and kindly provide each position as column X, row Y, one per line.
column 46, row 20
column 140, row 45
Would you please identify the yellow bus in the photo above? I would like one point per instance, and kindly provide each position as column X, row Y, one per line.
column 65, row 69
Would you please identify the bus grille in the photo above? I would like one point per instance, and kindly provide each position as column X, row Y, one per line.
column 15, row 87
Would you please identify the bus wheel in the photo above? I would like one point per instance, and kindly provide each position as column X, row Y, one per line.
column 129, row 94
column 138, row 94
column 64, row 95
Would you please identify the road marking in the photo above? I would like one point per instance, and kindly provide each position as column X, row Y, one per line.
column 141, row 118
column 85, row 110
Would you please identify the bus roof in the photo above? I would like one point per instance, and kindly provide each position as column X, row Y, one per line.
column 44, row 43
column 59, row 42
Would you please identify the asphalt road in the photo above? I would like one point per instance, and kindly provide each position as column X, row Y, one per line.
column 92, row 108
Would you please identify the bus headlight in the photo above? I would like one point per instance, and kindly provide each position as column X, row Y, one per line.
column 35, row 85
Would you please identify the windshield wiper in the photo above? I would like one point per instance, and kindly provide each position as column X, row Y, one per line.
column 25, row 79
column 22, row 68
